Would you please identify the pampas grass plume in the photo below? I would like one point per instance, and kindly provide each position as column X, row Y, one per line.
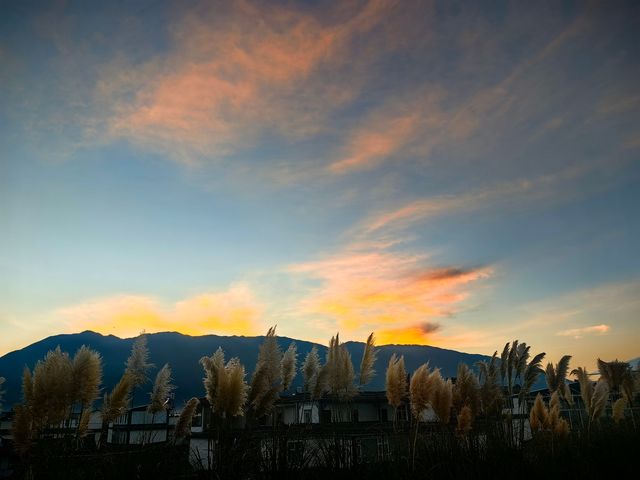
column 465, row 419
column 442, row 399
column 137, row 365
column 87, row 375
column 311, row 370
column 183, row 426
column 162, row 388
column 396, row 381
column 599, row 399
column 288, row 366
column 368, row 359
column 538, row 415
column 115, row 403
column 618, row 409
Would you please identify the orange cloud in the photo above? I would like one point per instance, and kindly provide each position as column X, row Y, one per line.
column 414, row 334
column 363, row 290
column 231, row 312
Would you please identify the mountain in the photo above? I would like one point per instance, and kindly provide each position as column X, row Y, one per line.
column 183, row 352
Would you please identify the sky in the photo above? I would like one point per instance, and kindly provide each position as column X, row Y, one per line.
column 456, row 174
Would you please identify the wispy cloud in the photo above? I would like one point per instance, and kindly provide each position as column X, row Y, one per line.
column 238, row 72
column 578, row 333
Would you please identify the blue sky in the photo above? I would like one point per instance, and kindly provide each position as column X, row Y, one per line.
column 455, row 174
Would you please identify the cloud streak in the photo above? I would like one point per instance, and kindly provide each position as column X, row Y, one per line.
column 578, row 333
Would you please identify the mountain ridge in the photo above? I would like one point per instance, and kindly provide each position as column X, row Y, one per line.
column 183, row 352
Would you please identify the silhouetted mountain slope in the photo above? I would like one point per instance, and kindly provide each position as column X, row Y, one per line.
column 183, row 352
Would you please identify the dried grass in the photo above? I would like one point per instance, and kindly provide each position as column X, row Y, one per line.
column 87, row 375
column 137, row 365
column 183, row 425
column 21, row 428
column 466, row 390
column 618, row 409
column 162, row 389
column 421, row 389
column 288, row 366
column 396, row 381
column 465, row 421
column 538, row 415
column 368, row 360
column 115, row 403
column 586, row 387
column 311, row 370
column 266, row 382
column 340, row 372
column 212, row 366
column 442, row 400
column 232, row 389
column 599, row 399
column 556, row 376
column 490, row 392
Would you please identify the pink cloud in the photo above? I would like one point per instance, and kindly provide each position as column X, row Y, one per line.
column 234, row 75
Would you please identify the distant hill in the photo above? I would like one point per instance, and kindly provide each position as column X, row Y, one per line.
column 183, row 352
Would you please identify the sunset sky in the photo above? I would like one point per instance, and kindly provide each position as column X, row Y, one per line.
column 458, row 174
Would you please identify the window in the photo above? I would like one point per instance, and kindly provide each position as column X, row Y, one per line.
column 355, row 415
column 383, row 414
column 383, row 448
column 307, row 415
column 325, row 416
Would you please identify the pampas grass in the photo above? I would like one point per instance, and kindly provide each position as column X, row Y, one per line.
column 618, row 409
column 266, row 382
column 232, row 389
column 115, row 402
column 321, row 383
column 466, row 390
column 368, row 360
column 52, row 390
column 83, row 423
column 288, row 366
column 183, row 425
column 87, row 375
column 137, row 365
column 162, row 389
column 311, row 370
column 21, row 428
column 538, row 415
column 340, row 372
column 599, row 399
column 396, row 381
column 586, row 387
column 421, row 389
column 225, row 385
column 442, row 400
column 556, row 376
column 465, row 420
column 530, row 375
column 212, row 365
column 490, row 391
